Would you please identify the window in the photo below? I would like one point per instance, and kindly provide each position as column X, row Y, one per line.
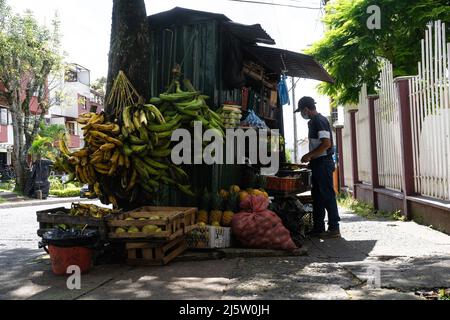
column 83, row 102
column 3, row 116
column 70, row 127
column 71, row 76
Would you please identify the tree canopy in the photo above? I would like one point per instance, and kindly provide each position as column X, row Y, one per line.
column 350, row 51
column 29, row 54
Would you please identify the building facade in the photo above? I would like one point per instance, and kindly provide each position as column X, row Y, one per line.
column 70, row 95
column 75, row 97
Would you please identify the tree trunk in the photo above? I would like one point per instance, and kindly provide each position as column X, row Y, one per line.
column 129, row 47
column 20, row 163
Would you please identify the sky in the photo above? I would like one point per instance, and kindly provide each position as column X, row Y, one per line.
column 86, row 26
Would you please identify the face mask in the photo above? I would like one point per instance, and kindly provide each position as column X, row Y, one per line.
column 305, row 116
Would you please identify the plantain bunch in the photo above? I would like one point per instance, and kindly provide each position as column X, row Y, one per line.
column 187, row 107
column 89, row 210
column 147, row 141
column 102, row 154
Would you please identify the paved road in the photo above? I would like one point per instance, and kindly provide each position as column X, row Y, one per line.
column 409, row 257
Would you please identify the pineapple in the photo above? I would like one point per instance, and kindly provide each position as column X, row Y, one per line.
column 235, row 189
column 223, row 194
column 202, row 215
column 232, row 207
column 216, row 212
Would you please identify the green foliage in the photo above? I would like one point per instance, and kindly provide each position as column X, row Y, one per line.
column 366, row 210
column 350, row 51
column 42, row 147
column 66, row 193
column 56, row 184
column 58, row 189
column 444, row 295
column 99, row 85
column 43, row 143
column 7, row 186
column 288, row 156
column 52, row 131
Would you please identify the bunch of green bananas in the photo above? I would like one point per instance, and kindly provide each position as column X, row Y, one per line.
column 189, row 106
column 146, row 134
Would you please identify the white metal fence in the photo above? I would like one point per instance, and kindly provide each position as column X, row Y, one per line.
column 363, row 138
column 430, row 108
column 387, row 124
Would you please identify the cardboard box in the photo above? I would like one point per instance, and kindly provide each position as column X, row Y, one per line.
column 209, row 237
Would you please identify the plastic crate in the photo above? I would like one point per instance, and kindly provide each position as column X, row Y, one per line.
column 283, row 184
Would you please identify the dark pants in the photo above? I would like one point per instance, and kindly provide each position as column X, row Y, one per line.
column 323, row 194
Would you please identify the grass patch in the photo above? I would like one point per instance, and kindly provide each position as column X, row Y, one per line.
column 367, row 210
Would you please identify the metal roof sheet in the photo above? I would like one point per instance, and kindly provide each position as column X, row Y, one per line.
column 181, row 16
column 249, row 33
column 290, row 63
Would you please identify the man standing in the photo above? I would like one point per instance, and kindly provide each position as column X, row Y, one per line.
column 322, row 166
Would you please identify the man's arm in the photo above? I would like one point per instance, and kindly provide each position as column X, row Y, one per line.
column 324, row 146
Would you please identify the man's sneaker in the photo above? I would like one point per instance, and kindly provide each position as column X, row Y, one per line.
column 332, row 234
column 316, row 234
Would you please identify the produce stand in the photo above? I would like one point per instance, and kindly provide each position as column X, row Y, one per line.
column 228, row 82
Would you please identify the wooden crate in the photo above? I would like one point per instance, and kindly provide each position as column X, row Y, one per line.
column 153, row 254
column 190, row 215
column 173, row 221
column 48, row 219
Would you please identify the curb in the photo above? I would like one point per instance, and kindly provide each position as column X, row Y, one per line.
column 219, row 254
column 41, row 202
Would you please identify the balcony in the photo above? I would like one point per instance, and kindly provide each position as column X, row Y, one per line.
column 3, row 134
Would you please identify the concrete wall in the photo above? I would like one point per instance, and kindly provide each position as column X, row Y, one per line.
column 69, row 104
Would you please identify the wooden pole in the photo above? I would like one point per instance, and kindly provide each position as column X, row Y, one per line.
column 406, row 141
column 354, row 151
column 340, row 150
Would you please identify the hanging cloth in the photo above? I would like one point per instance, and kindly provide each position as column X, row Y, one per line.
column 283, row 91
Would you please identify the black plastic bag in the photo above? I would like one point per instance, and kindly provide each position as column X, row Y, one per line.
column 70, row 238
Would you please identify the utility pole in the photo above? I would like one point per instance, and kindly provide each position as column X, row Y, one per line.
column 295, row 122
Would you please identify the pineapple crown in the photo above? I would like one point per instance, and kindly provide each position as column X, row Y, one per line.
column 205, row 200
column 216, row 201
column 233, row 202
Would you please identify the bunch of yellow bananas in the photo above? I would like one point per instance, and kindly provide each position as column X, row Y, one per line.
column 89, row 210
column 101, row 155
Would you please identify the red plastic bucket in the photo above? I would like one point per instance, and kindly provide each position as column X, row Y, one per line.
column 62, row 258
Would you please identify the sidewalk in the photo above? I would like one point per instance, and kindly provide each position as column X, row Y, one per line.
column 35, row 202
column 409, row 258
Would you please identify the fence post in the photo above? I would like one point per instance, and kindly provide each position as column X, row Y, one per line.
column 373, row 150
column 402, row 85
column 354, row 150
column 340, row 151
